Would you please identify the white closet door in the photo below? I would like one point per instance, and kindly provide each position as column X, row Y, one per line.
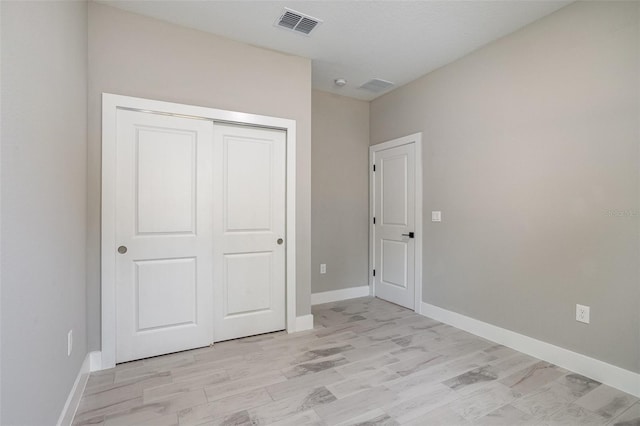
column 249, row 231
column 164, row 265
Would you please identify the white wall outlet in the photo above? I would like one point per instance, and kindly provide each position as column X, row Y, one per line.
column 323, row 268
column 69, row 342
column 436, row 216
column 582, row 313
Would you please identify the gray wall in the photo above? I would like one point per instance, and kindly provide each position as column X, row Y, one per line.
column 44, row 137
column 340, row 188
column 137, row 56
column 530, row 142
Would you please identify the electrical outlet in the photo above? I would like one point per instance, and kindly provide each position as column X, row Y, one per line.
column 323, row 268
column 69, row 342
column 582, row 313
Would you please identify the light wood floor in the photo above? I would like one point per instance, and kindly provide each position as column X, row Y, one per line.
column 367, row 362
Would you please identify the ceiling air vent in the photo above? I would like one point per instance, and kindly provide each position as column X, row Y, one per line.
column 296, row 21
column 377, row 85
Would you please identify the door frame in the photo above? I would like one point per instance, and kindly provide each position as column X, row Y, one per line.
column 415, row 139
column 110, row 104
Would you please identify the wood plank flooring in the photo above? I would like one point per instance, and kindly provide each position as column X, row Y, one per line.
column 367, row 362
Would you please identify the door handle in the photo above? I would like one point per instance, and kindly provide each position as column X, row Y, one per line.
column 280, row 241
column 122, row 249
column 410, row 235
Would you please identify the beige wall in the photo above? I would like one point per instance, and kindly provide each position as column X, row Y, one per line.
column 339, row 184
column 530, row 142
column 138, row 56
column 44, row 159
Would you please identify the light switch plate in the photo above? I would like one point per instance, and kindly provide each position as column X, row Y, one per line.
column 436, row 216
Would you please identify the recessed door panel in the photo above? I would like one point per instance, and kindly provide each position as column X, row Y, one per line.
column 166, row 180
column 394, row 263
column 160, row 280
column 248, row 283
column 248, row 184
column 394, row 190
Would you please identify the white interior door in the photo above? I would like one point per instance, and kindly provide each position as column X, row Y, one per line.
column 164, row 225
column 249, row 231
column 394, row 212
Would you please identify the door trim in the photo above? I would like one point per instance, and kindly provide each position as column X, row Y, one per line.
column 416, row 139
column 110, row 104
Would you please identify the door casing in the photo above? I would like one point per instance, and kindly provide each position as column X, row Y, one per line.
column 110, row 104
column 416, row 139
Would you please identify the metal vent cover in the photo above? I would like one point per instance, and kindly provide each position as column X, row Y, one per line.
column 377, row 85
column 296, row 21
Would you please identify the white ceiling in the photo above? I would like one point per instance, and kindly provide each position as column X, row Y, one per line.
column 397, row 41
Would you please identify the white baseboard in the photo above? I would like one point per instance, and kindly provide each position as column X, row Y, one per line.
column 609, row 374
column 304, row 323
column 95, row 361
column 337, row 295
column 73, row 400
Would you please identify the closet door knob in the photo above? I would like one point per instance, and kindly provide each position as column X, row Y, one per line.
column 122, row 249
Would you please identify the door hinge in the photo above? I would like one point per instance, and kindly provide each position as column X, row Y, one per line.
column 374, row 167
column 374, row 272
column 374, row 220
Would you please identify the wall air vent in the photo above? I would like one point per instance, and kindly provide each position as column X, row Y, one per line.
column 377, row 85
column 296, row 21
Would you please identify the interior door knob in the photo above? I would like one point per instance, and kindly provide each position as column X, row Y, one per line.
column 410, row 235
column 122, row 249
column 280, row 241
